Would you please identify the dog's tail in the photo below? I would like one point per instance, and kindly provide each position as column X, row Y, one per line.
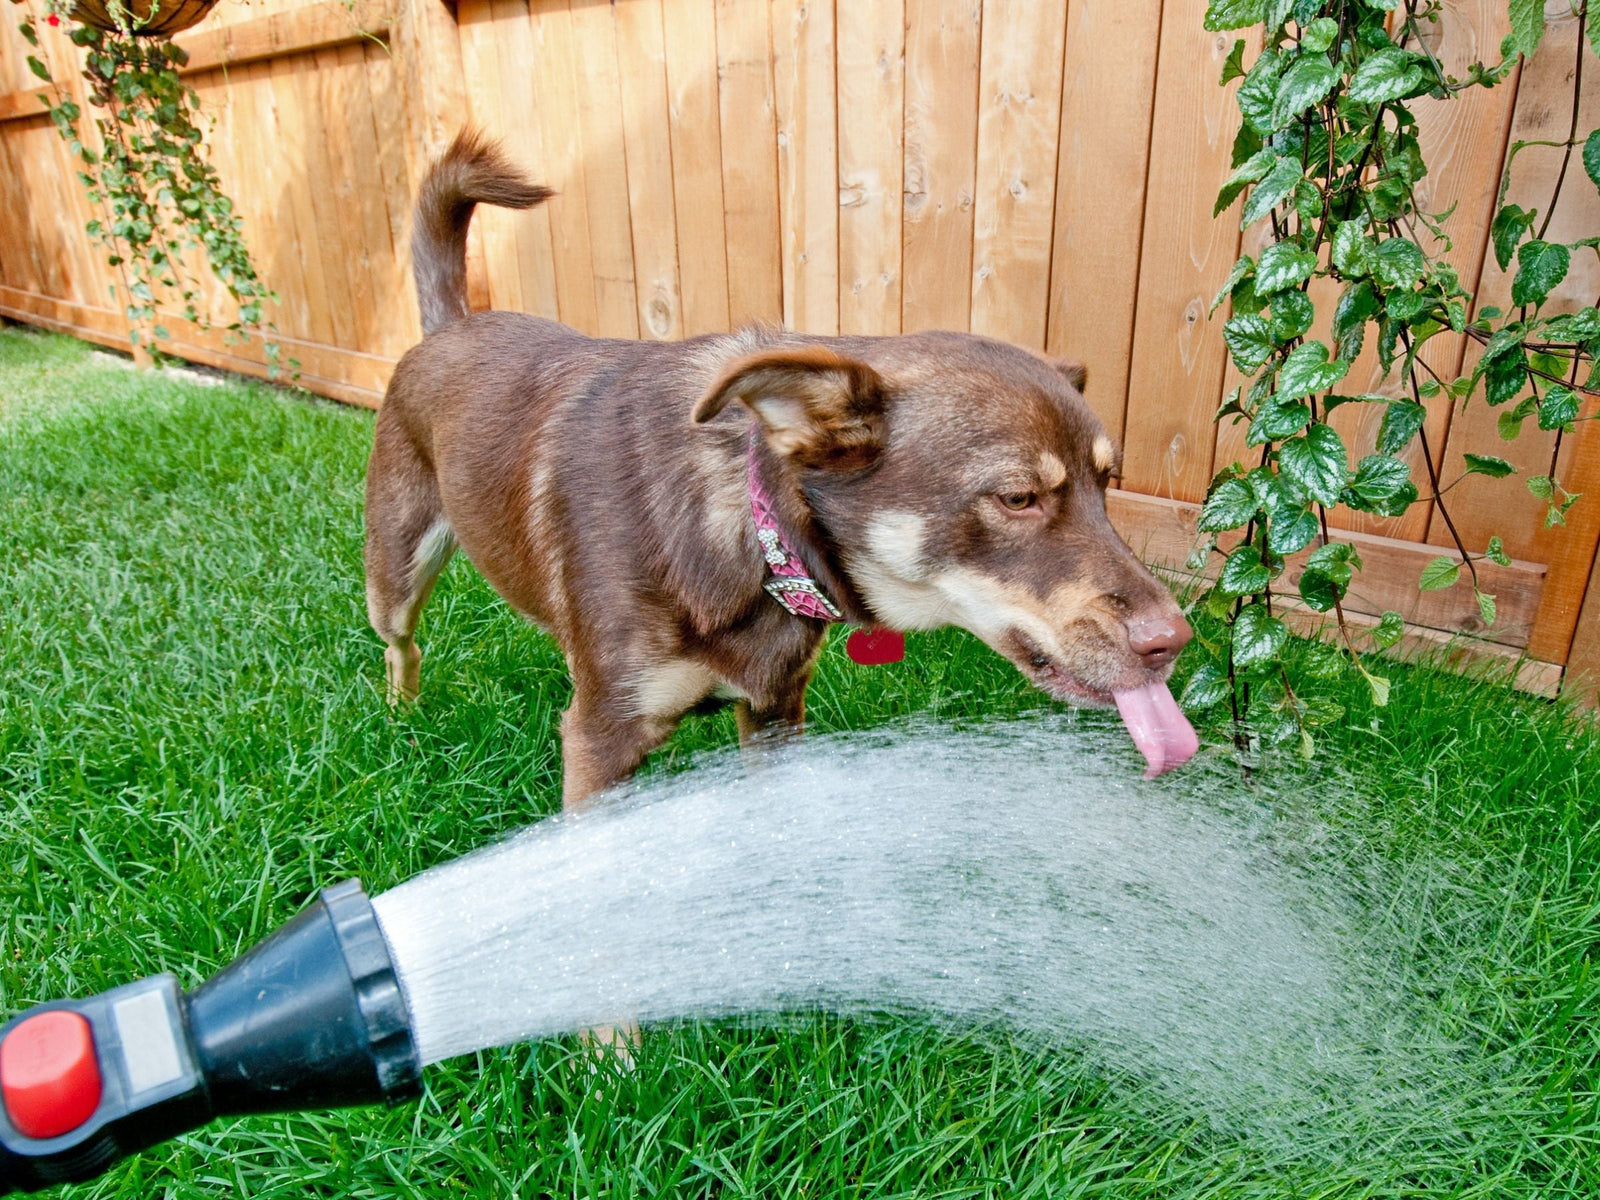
column 473, row 171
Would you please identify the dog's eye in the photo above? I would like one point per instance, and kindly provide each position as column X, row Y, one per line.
column 1018, row 501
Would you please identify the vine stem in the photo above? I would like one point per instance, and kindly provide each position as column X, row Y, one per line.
column 1572, row 131
column 1433, row 472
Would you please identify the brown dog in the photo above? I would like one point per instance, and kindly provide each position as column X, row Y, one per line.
column 605, row 489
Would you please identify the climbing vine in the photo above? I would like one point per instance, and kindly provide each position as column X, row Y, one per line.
column 142, row 159
column 1328, row 155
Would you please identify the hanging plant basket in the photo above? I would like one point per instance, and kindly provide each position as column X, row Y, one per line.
column 146, row 18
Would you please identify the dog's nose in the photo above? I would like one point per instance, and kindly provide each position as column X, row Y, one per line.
column 1157, row 640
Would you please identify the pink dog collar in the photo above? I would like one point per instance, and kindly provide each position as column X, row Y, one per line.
column 791, row 584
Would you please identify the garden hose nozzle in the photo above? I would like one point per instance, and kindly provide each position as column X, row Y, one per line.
column 311, row 1018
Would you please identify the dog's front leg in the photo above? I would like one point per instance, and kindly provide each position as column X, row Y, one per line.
column 779, row 720
column 600, row 748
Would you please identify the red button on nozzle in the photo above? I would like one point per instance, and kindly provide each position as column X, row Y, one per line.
column 49, row 1078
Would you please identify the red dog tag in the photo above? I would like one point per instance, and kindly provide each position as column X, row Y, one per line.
column 875, row 647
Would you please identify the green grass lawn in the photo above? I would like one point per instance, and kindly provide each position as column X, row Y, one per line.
column 192, row 740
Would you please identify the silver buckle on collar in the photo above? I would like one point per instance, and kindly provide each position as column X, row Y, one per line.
column 779, row 587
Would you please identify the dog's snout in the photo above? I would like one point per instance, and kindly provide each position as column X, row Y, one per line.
column 1157, row 640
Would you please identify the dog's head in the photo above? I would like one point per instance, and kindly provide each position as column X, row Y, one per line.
column 962, row 482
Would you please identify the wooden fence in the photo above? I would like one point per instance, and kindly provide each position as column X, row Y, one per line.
column 1041, row 172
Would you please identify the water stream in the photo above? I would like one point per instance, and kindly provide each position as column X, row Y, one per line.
column 1193, row 934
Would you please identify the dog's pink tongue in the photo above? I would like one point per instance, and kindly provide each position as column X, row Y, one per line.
column 1158, row 727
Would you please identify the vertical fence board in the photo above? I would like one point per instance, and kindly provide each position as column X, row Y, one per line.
column 808, row 163
column 402, row 324
column 361, row 192
column 695, row 127
column 427, row 50
column 605, row 168
column 556, row 111
column 941, row 159
column 1019, row 123
column 525, row 144
column 871, row 165
column 642, row 69
column 1106, row 101
column 289, row 274
column 321, row 180
column 749, row 161
column 486, row 100
column 1176, row 377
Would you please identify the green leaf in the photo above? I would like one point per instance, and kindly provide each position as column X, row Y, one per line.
column 1487, row 464
column 1277, row 419
column 1257, row 93
column 1540, row 267
column 1591, row 154
column 1559, row 407
column 1273, row 187
column 1319, row 35
column 1315, row 463
column 1292, row 314
column 1439, row 574
column 1257, row 636
column 1304, row 84
column 1319, row 591
column 1282, row 265
column 1239, row 271
column 1496, row 553
column 1244, row 573
column 1357, row 305
column 1389, row 630
column 1322, row 711
column 1527, row 24
column 1379, row 686
column 38, row 68
column 1233, row 66
column 1386, row 75
column 1557, row 514
column 1540, row 486
column 1233, row 14
column 1308, row 370
column 1485, row 606
column 1249, row 338
column 1246, row 173
column 1287, row 534
column 1401, row 421
column 1507, row 229
column 1206, row 687
column 1337, row 560
column 1352, row 251
column 1231, row 503
column 1398, row 263
column 1503, row 342
column 1383, row 485
column 1505, row 377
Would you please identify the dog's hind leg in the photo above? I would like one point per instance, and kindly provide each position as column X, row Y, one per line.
column 408, row 543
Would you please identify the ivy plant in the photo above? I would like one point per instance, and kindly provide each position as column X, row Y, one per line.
column 155, row 192
column 1327, row 154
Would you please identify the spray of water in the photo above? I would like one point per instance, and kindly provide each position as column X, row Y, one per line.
column 1191, row 935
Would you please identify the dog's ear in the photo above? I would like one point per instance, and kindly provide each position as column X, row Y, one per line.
column 1073, row 371
column 816, row 407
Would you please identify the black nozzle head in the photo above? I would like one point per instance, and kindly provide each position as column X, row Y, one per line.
column 311, row 1018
